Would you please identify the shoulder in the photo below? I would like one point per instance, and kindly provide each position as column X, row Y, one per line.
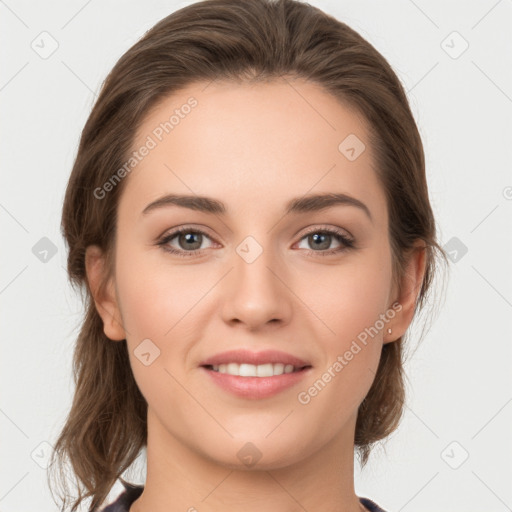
column 132, row 492
column 125, row 499
column 371, row 505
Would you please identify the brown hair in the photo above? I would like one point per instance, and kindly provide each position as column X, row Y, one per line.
column 242, row 40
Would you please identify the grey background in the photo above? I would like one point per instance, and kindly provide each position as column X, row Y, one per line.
column 460, row 393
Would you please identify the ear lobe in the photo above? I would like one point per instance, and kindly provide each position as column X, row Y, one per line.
column 410, row 287
column 104, row 296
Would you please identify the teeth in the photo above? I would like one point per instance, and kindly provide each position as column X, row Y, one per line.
column 251, row 370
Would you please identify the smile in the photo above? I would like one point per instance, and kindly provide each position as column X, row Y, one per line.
column 251, row 370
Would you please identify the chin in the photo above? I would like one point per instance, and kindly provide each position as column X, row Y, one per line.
column 252, row 451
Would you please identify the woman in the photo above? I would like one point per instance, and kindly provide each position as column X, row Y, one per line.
column 249, row 216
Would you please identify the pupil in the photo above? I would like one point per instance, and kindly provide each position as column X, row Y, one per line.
column 322, row 239
column 189, row 239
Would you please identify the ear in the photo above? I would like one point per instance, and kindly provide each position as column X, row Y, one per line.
column 410, row 286
column 104, row 297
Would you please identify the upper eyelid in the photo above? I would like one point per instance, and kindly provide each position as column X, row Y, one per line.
column 310, row 229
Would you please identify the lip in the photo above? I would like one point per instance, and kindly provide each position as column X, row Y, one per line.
column 255, row 387
column 247, row 356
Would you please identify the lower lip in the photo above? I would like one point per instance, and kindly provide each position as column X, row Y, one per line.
column 256, row 387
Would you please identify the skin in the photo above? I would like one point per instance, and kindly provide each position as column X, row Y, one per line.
column 254, row 147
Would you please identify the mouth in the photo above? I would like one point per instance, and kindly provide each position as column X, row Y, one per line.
column 255, row 375
column 251, row 370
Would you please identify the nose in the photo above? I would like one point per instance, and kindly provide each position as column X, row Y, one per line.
column 256, row 294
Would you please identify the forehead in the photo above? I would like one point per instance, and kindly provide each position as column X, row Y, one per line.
column 264, row 142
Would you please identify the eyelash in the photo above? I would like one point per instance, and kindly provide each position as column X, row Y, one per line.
column 347, row 243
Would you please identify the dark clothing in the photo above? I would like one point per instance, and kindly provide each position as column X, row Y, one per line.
column 131, row 493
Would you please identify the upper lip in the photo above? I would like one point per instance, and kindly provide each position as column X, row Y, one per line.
column 256, row 358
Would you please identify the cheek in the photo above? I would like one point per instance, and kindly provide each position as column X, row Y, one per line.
column 352, row 346
column 154, row 302
column 349, row 297
column 351, row 302
column 154, row 297
column 164, row 302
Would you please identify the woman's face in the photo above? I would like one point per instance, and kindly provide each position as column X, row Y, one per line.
column 259, row 277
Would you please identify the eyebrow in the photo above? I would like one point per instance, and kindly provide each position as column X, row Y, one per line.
column 305, row 204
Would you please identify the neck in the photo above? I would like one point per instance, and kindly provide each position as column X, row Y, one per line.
column 179, row 478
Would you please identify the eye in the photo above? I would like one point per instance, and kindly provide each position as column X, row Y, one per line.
column 189, row 241
column 321, row 239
